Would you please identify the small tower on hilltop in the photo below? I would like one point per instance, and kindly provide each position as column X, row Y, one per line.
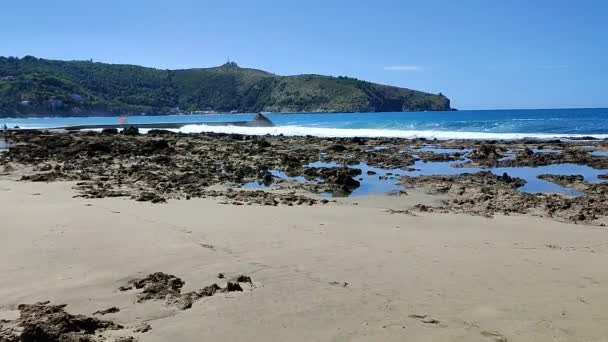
column 230, row 64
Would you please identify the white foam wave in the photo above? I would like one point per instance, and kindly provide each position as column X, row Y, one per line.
column 373, row 133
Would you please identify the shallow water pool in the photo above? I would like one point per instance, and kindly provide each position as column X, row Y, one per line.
column 528, row 173
column 376, row 180
column 600, row 153
column 441, row 150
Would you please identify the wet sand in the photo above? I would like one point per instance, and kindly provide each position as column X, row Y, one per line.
column 334, row 272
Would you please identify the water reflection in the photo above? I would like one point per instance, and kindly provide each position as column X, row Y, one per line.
column 376, row 180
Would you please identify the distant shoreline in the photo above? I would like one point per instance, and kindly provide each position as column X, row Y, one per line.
column 34, row 85
column 93, row 115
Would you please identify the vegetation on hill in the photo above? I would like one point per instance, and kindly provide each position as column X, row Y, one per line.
column 31, row 86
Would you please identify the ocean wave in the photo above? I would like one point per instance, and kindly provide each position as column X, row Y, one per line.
column 375, row 133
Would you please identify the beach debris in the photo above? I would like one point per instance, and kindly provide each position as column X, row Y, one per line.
column 107, row 311
column 51, row 323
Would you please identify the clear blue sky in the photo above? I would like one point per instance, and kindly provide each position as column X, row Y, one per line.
column 480, row 53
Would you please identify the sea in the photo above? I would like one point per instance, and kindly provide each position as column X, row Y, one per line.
column 463, row 124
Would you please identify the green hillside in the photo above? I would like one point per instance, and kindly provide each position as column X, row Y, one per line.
column 31, row 86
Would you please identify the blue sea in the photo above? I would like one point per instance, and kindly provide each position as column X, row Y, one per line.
column 465, row 124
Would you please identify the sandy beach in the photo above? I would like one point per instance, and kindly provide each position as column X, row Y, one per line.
column 338, row 272
column 303, row 171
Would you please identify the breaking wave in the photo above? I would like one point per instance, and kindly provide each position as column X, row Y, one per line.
column 373, row 133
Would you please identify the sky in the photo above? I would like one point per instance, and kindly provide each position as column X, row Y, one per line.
column 482, row 54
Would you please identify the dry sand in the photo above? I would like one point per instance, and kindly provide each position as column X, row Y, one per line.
column 339, row 272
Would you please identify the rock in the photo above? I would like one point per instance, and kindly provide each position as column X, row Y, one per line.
column 131, row 130
column 232, row 287
column 97, row 147
column 158, row 285
column 186, row 300
column 343, row 177
column 150, row 197
column 161, row 166
column 243, row 279
column 50, row 323
column 142, row 328
column 337, row 148
column 45, row 177
column 266, row 178
column 439, row 157
column 154, row 146
column 261, row 121
column 109, row 131
column 162, row 286
column 159, row 132
column 486, row 154
column 263, row 143
column 358, row 141
column 107, row 311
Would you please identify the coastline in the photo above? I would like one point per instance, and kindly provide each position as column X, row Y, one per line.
column 466, row 256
